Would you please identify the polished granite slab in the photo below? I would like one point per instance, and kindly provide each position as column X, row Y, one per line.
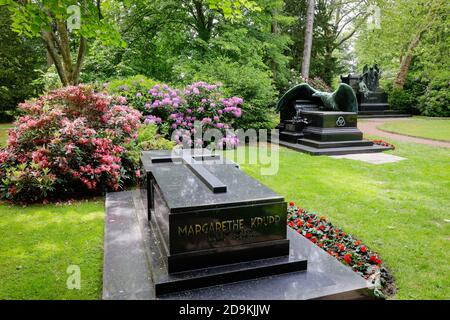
column 183, row 189
column 127, row 265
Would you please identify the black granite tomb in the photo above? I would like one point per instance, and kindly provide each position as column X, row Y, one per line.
column 372, row 99
column 305, row 126
column 212, row 224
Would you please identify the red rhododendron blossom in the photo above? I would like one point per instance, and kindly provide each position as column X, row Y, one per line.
column 308, row 235
column 363, row 249
column 291, row 204
column 69, row 141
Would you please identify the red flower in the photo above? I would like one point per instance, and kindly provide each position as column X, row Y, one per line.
column 363, row 249
column 378, row 261
column 308, row 235
column 313, row 240
column 299, row 223
column 348, row 258
column 373, row 259
column 291, row 204
column 322, row 227
column 291, row 224
column 357, row 243
column 308, row 225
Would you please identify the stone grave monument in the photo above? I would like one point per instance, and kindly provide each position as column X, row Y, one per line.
column 322, row 123
column 372, row 100
column 200, row 228
column 212, row 224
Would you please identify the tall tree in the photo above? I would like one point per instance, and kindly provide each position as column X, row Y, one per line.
column 404, row 25
column 308, row 39
column 434, row 8
column 20, row 60
column 63, row 25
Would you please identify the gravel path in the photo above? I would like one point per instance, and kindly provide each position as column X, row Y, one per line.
column 369, row 127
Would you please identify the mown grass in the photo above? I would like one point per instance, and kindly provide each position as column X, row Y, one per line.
column 39, row 242
column 4, row 133
column 422, row 127
column 400, row 210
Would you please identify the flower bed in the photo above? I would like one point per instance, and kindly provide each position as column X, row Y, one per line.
column 384, row 143
column 342, row 246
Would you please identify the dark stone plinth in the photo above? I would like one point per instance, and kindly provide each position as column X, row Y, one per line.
column 334, row 151
column 333, row 134
column 199, row 227
column 127, row 267
column 227, row 270
column 303, row 127
column 330, row 119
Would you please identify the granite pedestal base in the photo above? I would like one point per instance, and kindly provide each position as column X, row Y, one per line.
column 130, row 265
column 326, row 133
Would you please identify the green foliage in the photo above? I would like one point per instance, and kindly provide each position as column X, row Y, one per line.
column 400, row 99
column 29, row 182
column 48, row 80
column 427, row 78
column 20, row 62
column 130, row 88
column 31, row 18
column 316, row 82
column 150, row 139
column 254, row 85
column 436, row 100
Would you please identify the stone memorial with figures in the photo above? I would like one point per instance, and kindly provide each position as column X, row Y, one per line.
column 206, row 214
column 322, row 123
column 372, row 99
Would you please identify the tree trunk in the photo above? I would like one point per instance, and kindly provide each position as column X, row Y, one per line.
column 53, row 52
column 80, row 58
column 407, row 59
column 308, row 39
column 274, row 30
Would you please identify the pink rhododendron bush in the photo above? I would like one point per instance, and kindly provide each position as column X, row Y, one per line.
column 176, row 111
column 70, row 142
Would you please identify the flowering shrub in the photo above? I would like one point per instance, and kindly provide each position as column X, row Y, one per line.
column 135, row 89
column 71, row 140
column 175, row 111
column 342, row 246
column 149, row 139
column 316, row 82
column 384, row 143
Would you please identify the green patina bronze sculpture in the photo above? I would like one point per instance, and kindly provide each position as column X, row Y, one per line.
column 343, row 99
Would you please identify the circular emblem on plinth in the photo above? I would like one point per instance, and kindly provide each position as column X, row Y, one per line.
column 340, row 122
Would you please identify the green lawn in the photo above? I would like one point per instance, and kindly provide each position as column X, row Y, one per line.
column 39, row 242
column 400, row 210
column 431, row 128
column 4, row 133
